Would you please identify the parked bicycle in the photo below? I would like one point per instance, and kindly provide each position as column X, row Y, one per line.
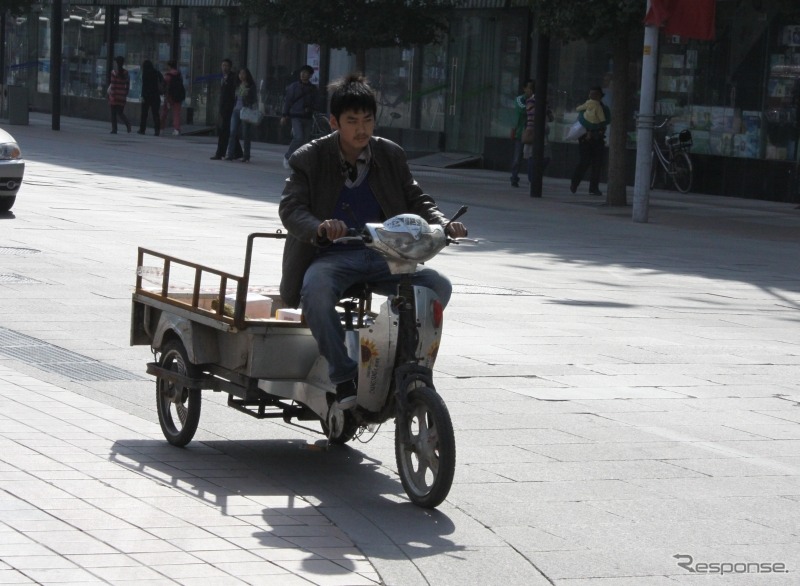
column 673, row 157
column 320, row 125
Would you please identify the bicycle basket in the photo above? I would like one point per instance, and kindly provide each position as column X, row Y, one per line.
column 681, row 140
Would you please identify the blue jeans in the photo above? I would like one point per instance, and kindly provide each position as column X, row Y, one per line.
column 330, row 275
column 516, row 161
column 236, row 123
column 301, row 133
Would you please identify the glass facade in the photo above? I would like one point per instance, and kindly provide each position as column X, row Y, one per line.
column 204, row 36
column 739, row 94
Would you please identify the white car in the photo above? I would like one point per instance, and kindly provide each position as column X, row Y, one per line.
column 12, row 168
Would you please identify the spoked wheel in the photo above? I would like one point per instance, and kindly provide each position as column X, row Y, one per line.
column 682, row 165
column 343, row 424
column 427, row 462
column 178, row 406
column 654, row 165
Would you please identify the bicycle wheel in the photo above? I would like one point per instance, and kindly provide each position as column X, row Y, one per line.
column 682, row 171
column 655, row 163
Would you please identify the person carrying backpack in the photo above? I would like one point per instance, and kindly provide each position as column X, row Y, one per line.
column 173, row 97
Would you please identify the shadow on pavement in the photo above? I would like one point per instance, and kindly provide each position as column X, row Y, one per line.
column 248, row 480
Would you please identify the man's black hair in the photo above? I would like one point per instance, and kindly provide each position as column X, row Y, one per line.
column 228, row 61
column 307, row 68
column 352, row 93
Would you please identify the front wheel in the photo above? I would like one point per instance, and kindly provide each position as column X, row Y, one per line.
column 178, row 406
column 682, row 171
column 427, row 462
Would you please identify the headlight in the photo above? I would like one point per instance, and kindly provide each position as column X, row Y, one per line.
column 10, row 151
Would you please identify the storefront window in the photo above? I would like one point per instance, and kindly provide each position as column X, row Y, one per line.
column 19, row 66
column 208, row 36
column 574, row 68
column 390, row 71
column 739, row 94
column 509, row 56
column 433, row 87
column 782, row 104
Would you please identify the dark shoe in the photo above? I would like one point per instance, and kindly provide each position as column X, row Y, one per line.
column 216, row 158
column 573, row 187
column 140, row 132
column 515, row 184
column 346, row 394
column 113, row 132
column 596, row 192
column 246, row 160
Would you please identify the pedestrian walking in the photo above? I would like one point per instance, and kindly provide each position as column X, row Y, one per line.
column 298, row 108
column 592, row 145
column 529, row 134
column 174, row 95
column 246, row 97
column 152, row 81
column 118, row 88
column 521, row 119
column 227, row 100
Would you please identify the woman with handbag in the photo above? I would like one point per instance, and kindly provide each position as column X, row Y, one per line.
column 246, row 97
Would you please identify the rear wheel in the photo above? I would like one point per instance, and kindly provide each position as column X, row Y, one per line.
column 178, row 406
column 682, row 165
column 427, row 462
column 343, row 424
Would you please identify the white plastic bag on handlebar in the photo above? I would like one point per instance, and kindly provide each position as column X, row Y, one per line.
column 406, row 240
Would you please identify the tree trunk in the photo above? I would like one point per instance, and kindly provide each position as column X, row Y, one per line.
column 617, row 184
column 361, row 61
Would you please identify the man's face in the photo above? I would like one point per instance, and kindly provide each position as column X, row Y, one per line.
column 226, row 68
column 355, row 130
column 305, row 75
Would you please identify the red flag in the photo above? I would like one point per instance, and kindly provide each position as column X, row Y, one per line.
column 693, row 19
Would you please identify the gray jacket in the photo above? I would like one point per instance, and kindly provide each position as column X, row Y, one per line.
column 312, row 190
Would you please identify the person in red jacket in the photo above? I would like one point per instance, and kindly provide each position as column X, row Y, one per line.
column 118, row 93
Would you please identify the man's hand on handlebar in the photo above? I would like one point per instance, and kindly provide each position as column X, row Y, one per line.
column 331, row 230
column 456, row 230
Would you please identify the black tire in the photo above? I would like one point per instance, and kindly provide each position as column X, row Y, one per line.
column 655, row 163
column 178, row 407
column 346, row 433
column 7, row 202
column 682, row 178
column 427, row 464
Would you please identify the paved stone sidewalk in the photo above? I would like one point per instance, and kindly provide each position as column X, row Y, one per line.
column 91, row 495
